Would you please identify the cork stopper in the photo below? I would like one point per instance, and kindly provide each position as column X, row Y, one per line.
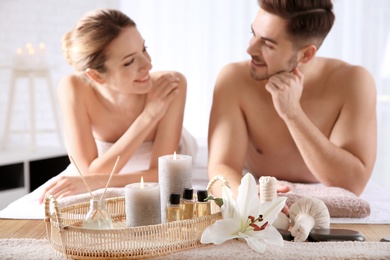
column 267, row 188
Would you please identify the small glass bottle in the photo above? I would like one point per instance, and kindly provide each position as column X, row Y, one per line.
column 97, row 216
column 187, row 203
column 173, row 210
column 203, row 208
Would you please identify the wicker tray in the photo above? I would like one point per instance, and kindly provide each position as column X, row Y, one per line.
column 67, row 236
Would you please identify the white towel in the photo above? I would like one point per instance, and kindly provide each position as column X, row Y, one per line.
column 232, row 249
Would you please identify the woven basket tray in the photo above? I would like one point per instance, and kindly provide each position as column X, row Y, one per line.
column 67, row 236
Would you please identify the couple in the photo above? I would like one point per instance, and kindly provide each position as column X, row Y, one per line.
column 283, row 113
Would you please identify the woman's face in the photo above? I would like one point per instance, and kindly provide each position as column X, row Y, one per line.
column 128, row 63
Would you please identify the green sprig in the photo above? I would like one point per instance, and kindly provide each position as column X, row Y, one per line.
column 217, row 201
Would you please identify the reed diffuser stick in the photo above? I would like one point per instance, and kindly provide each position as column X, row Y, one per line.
column 82, row 177
column 109, row 179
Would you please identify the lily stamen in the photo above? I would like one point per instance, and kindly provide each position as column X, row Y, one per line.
column 242, row 217
column 254, row 225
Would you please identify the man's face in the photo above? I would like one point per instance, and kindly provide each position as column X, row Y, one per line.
column 271, row 50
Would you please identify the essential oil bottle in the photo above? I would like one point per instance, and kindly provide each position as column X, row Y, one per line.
column 203, row 208
column 187, row 203
column 97, row 216
column 174, row 211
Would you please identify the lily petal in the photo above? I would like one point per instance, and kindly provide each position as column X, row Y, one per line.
column 220, row 231
column 271, row 209
column 270, row 236
column 248, row 196
column 228, row 206
column 246, row 218
column 254, row 243
column 273, row 237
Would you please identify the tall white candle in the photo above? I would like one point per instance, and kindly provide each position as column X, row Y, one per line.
column 142, row 201
column 174, row 174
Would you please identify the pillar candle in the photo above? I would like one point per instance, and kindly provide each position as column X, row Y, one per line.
column 174, row 174
column 142, row 201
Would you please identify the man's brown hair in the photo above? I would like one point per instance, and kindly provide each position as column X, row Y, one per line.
column 308, row 21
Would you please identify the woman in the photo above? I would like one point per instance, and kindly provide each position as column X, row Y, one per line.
column 114, row 106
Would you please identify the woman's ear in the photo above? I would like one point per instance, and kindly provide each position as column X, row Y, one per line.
column 308, row 53
column 95, row 76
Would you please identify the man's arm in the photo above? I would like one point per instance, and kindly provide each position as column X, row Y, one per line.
column 227, row 137
column 347, row 158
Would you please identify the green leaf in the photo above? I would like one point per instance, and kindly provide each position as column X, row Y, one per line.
column 217, row 201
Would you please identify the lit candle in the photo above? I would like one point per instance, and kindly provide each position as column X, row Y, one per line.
column 41, row 55
column 174, row 174
column 29, row 46
column 19, row 58
column 142, row 201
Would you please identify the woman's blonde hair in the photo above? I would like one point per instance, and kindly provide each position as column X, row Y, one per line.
column 84, row 46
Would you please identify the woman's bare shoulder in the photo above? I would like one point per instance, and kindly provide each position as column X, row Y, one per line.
column 182, row 79
column 73, row 86
column 156, row 74
column 72, row 82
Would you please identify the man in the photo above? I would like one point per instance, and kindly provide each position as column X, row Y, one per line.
column 289, row 114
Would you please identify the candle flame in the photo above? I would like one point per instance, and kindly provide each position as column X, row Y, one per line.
column 19, row 51
column 42, row 46
column 141, row 184
column 29, row 45
column 174, row 156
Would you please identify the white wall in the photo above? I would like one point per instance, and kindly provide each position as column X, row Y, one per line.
column 36, row 21
column 196, row 37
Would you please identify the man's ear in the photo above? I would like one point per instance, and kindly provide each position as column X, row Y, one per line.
column 95, row 76
column 308, row 53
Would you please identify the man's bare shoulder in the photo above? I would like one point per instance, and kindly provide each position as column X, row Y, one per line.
column 235, row 70
column 347, row 76
column 233, row 74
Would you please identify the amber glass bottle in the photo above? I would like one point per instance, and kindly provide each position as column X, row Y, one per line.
column 203, row 208
column 187, row 203
column 174, row 211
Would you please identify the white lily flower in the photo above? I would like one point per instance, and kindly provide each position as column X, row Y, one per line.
column 247, row 218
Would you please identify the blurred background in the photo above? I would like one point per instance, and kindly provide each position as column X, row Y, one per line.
column 195, row 37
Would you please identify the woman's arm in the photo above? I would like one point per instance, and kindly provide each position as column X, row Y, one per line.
column 170, row 114
column 79, row 112
column 169, row 128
